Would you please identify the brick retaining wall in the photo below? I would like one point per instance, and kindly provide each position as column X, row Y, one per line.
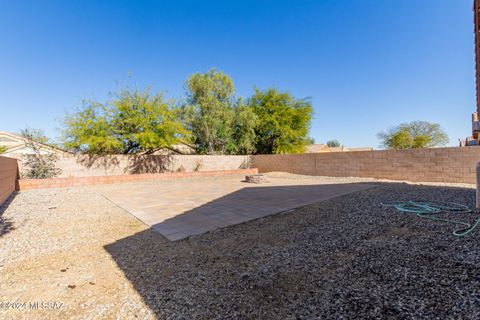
column 455, row 165
column 95, row 180
column 8, row 177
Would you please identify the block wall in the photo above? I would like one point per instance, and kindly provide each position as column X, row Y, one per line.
column 26, row 184
column 8, row 177
column 455, row 165
column 87, row 166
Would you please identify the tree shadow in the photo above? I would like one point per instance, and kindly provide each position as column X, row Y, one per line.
column 148, row 163
column 96, row 161
column 6, row 224
column 136, row 163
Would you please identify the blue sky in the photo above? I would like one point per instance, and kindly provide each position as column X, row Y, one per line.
column 367, row 65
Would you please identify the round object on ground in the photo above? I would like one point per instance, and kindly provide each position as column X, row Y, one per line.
column 256, row 178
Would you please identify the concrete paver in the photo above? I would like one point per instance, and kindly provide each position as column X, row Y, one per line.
column 180, row 209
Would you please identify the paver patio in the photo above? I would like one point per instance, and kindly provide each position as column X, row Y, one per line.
column 181, row 209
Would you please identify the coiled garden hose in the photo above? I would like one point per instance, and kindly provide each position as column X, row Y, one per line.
column 424, row 209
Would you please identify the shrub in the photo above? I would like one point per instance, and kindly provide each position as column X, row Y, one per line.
column 38, row 164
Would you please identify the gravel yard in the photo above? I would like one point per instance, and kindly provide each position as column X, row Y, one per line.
column 344, row 258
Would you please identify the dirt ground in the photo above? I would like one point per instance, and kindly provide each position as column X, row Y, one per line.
column 55, row 254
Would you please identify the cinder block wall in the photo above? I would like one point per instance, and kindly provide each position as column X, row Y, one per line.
column 456, row 165
column 83, row 166
column 26, row 184
column 8, row 177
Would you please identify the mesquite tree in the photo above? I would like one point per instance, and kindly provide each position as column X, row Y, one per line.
column 132, row 122
column 219, row 121
column 415, row 134
column 283, row 121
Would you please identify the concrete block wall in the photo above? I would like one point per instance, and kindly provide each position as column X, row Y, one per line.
column 84, row 166
column 455, row 165
column 28, row 184
column 8, row 177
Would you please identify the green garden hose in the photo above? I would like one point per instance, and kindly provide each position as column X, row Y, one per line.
column 424, row 209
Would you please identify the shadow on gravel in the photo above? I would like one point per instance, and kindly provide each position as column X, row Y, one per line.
column 6, row 225
column 346, row 257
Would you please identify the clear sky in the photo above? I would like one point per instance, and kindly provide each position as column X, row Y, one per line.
column 367, row 65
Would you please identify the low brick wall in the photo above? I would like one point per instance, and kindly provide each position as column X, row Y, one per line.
column 8, row 177
column 95, row 180
column 455, row 165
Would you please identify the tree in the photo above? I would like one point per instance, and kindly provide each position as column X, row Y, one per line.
column 3, row 149
column 39, row 164
column 283, row 121
column 333, row 143
column 219, row 121
column 415, row 134
column 244, row 130
column 133, row 122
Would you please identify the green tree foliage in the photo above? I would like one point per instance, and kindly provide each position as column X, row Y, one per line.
column 219, row 121
column 244, row 130
column 39, row 164
column 133, row 122
column 213, row 119
column 333, row 143
column 3, row 149
column 416, row 134
column 283, row 121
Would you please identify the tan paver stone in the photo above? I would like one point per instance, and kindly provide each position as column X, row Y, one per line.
column 179, row 209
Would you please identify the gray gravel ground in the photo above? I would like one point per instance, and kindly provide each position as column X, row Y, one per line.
column 345, row 258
